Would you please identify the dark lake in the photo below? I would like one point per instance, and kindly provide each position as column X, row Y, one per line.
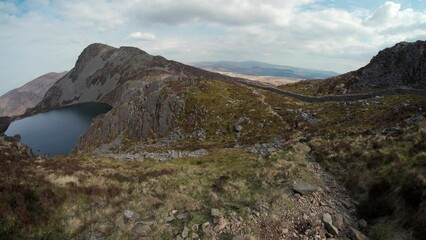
column 56, row 132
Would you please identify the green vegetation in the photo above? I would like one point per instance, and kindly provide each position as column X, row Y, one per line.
column 73, row 196
column 215, row 108
column 376, row 147
column 375, row 150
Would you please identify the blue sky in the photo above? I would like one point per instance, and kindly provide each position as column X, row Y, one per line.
column 40, row 36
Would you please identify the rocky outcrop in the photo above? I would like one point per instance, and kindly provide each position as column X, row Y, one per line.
column 17, row 101
column 12, row 149
column 401, row 65
column 144, row 90
column 4, row 124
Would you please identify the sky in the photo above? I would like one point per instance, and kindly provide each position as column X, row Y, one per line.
column 41, row 36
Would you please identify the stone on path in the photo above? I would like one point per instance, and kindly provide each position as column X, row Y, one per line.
column 304, row 188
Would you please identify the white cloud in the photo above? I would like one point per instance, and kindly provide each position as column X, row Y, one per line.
column 49, row 35
column 227, row 12
column 390, row 15
column 144, row 36
column 97, row 14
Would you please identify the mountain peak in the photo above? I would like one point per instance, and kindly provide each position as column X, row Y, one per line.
column 404, row 64
column 402, row 54
column 96, row 48
column 132, row 50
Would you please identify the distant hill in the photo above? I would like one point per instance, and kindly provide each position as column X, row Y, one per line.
column 264, row 69
column 16, row 101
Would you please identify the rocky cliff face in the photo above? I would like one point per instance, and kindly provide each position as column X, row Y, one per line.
column 17, row 101
column 401, row 65
column 136, row 84
column 4, row 123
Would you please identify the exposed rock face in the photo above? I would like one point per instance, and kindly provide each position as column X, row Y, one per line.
column 4, row 124
column 17, row 101
column 144, row 91
column 401, row 65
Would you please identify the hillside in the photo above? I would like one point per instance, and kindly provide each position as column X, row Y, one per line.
column 144, row 91
column 189, row 154
column 264, row 69
column 403, row 65
column 17, row 101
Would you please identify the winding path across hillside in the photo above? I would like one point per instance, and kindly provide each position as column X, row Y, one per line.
column 333, row 98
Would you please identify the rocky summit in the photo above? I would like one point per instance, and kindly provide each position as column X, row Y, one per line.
column 401, row 65
column 189, row 154
column 143, row 90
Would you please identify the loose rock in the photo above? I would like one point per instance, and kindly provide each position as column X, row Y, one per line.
column 185, row 232
column 357, row 235
column 141, row 229
column 182, row 216
column 215, row 212
column 222, row 223
column 338, row 221
column 362, row 224
column 128, row 214
column 328, row 223
column 169, row 218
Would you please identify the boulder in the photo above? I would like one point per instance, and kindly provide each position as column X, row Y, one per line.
column 185, row 232
column 328, row 223
column 182, row 216
column 141, row 230
column 128, row 214
column 356, row 235
column 304, row 188
column 362, row 224
column 215, row 212
column 331, row 229
column 339, row 221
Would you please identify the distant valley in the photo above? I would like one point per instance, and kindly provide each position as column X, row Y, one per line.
column 274, row 81
column 254, row 68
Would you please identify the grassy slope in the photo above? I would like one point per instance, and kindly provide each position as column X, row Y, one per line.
column 75, row 195
column 72, row 196
column 217, row 106
column 386, row 172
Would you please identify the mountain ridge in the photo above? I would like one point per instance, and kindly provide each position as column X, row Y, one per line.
column 133, row 82
column 17, row 101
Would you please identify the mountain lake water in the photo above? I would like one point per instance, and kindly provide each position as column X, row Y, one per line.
column 56, row 132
